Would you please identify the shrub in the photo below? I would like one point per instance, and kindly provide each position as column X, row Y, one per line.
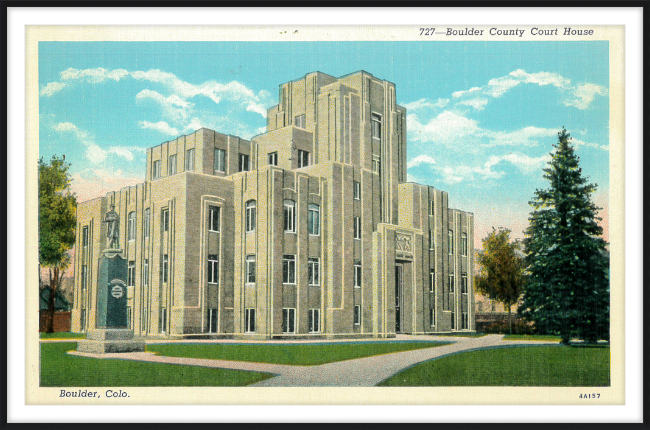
column 518, row 327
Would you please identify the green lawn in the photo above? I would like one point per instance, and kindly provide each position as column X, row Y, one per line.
column 305, row 354
column 552, row 366
column 59, row 369
column 63, row 335
column 537, row 337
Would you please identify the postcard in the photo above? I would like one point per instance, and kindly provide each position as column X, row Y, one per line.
column 414, row 215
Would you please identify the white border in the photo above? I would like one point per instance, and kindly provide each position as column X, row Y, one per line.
column 19, row 17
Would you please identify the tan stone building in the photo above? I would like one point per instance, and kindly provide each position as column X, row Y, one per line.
column 309, row 229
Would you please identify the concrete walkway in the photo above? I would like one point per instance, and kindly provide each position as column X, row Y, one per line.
column 360, row 372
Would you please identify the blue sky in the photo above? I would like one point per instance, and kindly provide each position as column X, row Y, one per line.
column 481, row 116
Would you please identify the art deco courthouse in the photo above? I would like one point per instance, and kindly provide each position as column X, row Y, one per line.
column 308, row 229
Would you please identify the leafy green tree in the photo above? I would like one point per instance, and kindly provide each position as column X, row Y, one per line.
column 57, row 218
column 567, row 263
column 502, row 270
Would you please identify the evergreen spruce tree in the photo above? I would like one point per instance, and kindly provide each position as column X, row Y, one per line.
column 567, row 292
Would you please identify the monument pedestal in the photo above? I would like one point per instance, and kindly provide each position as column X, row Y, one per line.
column 109, row 340
column 111, row 333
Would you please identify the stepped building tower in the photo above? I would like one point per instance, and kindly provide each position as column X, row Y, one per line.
column 310, row 229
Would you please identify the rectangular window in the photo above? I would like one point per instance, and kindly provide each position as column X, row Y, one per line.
column 143, row 320
column 273, row 159
column 288, row 320
column 219, row 160
column 212, row 320
column 357, row 190
column 145, row 272
column 164, row 219
column 189, row 159
column 376, row 165
column 463, row 284
column 163, row 320
column 171, row 165
column 463, row 245
column 128, row 316
column 432, row 281
column 376, row 125
column 289, row 269
column 314, row 219
column 432, row 317
column 357, row 227
column 464, row 320
column 84, row 236
column 432, row 242
column 453, row 320
column 303, row 158
column 300, row 121
column 432, row 210
column 131, row 226
column 314, row 320
column 250, row 269
column 357, row 274
column 313, row 270
column 451, row 242
column 249, row 320
column 130, row 276
column 290, row 216
column 213, row 269
column 147, row 222
column 84, row 276
column 215, row 211
column 250, row 216
column 243, row 163
column 451, row 283
column 165, row 267
column 83, row 319
column 156, row 170
column 357, row 315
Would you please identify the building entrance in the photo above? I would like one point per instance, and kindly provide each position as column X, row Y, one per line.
column 399, row 281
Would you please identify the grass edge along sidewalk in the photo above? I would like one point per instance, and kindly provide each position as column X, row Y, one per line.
column 531, row 366
column 58, row 369
column 293, row 354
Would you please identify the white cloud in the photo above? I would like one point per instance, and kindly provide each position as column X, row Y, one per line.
column 52, row 88
column 70, row 127
column 446, row 128
column 579, row 142
column 527, row 136
column 542, row 78
column 424, row 103
column 525, row 164
column 160, row 126
column 93, row 76
column 420, row 159
column 94, row 153
column 458, row 94
column 478, row 103
column 180, row 90
column 499, row 86
column 194, row 125
column 173, row 106
column 584, row 94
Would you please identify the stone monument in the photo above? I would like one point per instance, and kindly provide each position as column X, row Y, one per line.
column 111, row 333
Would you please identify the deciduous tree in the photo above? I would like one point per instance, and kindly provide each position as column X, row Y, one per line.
column 502, row 270
column 57, row 208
